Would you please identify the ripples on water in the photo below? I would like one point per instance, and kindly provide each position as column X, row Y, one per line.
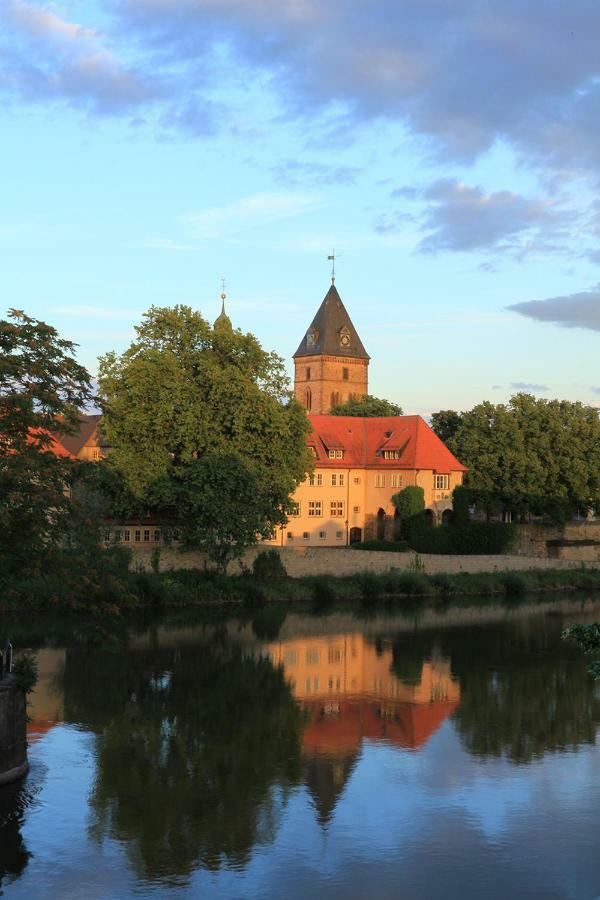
column 432, row 754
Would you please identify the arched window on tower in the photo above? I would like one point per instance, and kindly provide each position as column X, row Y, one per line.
column 308, row 403
column 335, row 399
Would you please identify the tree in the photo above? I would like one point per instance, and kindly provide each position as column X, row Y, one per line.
column 43, row 391
column 461, row 502
column 224, row 505
column 367, row 406
column 184, row 395
column 410, row 503
column 531, row 456
column 445, row 423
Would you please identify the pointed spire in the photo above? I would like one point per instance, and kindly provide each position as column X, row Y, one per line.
column 331, row 332
column 223, row 320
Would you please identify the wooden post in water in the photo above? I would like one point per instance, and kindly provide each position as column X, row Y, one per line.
column 13, row 726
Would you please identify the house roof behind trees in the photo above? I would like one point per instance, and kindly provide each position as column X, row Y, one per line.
column 363, row 441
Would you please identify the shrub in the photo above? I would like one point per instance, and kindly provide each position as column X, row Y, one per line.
column 514, row 584
column 370, row 585
column 387, row 546
column 268, row 565
column 485, row 538
column 461, row 500
column 323, row 592
column 25, row 672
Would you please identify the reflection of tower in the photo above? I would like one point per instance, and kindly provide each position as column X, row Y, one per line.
column 331, row 364
column 326, row 778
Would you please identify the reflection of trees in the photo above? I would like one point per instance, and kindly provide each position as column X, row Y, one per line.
column 191, row 743
column 523, row 691
column 13, row 853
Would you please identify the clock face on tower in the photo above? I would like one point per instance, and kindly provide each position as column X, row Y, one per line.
column 344, row 337
column 312, row 336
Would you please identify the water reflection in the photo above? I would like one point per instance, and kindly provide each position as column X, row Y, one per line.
column 13, row 852
column 208, row 740
column 351, row 691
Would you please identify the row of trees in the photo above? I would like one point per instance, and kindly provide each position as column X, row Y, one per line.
column 530, row 456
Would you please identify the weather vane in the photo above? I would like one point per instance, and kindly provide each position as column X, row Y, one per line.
column 332, row 260
column 223, row 294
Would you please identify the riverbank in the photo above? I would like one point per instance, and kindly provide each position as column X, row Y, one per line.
column 184, row 587
column 196, row 587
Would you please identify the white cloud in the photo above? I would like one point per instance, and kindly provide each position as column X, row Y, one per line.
column 255, row 210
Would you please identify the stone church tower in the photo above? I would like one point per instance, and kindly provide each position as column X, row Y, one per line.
column 331, row 364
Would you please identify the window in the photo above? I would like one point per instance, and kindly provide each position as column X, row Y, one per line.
column 335, row 454
column 157, row 534
column 127, row 535
column 333, row 480
column 336, row 509
column 440, row 482
column 319, row 480
column 176, row 534
column 357, row 481
column 396, row 480
column 295, row 509
column 312, row 657
column 341, row 479
column 335, row 398
column 137, row 535
column 290, row 536
column 315, row 508
column 146, row 534
column 308, row 373
column 107, row 535
column 392, row 454
column 308, row 399
column 95, row 453
column 290, row 657
column 322, row 535
column 380, row 480
column 345, row 374
column 305, row 535
column 357, row 509
column 339, row 535
column 311, row 480
column 335, row 654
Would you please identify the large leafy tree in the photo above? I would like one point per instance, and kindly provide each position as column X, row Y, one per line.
column 184, row 394
column 43, row 390
column 531, row 456
column 446, row 423
column 367, row 406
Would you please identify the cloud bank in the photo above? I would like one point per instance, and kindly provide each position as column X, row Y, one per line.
column 580, row 310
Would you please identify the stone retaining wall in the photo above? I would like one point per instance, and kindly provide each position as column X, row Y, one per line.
column 13, row 732
column 574, row 541
column 333, row 561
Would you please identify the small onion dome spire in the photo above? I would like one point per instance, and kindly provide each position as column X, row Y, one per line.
column 222, row 320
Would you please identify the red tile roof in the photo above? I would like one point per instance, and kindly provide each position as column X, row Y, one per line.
column 362, row 438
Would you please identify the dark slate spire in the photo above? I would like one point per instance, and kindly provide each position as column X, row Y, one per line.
column 331, row 332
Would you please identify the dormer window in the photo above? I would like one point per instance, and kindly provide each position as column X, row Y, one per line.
column 336, row 454
column 391, row 454
column 344, row 335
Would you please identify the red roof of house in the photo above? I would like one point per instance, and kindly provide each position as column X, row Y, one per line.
column 363, row 439
column 53, row 446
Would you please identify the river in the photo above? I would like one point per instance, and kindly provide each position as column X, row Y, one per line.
column 422, row 752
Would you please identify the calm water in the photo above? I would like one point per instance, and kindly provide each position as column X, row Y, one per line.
column 445, row 753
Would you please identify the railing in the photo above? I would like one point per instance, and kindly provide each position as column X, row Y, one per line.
column 6, row 660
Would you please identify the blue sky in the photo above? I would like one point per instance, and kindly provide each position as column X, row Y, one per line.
column 449, row 151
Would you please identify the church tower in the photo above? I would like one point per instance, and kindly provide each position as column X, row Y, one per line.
column 331, row 364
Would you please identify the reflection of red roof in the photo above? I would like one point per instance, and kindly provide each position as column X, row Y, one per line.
column 37, row 730
column 362, row 438
column 403, row 724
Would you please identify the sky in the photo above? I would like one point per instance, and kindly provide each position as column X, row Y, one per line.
column 448, row 150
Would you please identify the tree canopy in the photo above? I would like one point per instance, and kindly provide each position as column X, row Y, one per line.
column 185, row 395
column 530, row 456
column 367, row 406
column 43, row 390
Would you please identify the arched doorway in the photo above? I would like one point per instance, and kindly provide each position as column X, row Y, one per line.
column 355, row 535
column 447, row 517
column 429, row 516
column 397, row 526
column 381, row 517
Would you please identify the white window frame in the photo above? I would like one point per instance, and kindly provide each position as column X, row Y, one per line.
column 336, row 509
column 441, row 482
column 315, row 509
